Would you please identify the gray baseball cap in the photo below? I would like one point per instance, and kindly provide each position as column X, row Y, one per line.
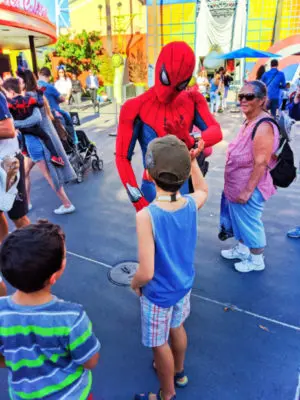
column 168, row 160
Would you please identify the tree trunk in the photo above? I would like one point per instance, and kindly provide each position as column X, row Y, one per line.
column 109, row 29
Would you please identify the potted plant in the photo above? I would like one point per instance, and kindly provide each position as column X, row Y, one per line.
column 137, row 67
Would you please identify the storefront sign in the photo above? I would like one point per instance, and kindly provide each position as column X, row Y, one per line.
column 31, row 6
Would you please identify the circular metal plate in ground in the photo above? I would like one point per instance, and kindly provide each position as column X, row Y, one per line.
column 122, row 273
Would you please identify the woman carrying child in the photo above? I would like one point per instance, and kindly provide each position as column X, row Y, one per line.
column 56, row 177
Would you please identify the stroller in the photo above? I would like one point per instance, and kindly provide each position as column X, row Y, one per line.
column 81, row 151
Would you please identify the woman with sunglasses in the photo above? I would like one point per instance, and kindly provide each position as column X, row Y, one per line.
column 248, row 183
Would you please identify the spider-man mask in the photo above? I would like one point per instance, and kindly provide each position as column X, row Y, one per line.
column 173, row 71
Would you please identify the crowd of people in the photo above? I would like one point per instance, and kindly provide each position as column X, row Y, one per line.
column 215, row 89
column 71, row 88
column 56, row 336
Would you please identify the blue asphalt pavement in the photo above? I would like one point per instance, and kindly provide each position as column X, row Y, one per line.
column 249, row 352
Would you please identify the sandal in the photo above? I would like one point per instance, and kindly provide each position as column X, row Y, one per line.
column 181, row 380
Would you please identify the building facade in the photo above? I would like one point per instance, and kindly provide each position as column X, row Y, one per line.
column 202, row 24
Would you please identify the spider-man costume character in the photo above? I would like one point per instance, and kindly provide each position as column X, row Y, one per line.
column 166, row 108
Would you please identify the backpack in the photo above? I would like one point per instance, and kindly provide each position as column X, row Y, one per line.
column 284, row 172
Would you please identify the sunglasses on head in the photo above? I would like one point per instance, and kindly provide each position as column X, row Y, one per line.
column 247, row 96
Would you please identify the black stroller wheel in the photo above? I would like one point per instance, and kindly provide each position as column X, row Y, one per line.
column 79, row 177
column 97, row 165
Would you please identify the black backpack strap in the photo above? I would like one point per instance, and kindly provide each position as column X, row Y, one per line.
column 267, row 119
column 269, row 83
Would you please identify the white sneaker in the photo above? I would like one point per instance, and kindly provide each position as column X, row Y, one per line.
column 234, row 253
column 248, row 265
column 65, row 210
column 29, row 207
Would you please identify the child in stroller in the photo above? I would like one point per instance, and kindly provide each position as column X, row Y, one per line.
column 81, row 151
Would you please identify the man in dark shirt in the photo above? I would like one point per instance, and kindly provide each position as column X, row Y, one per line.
column 76, row 90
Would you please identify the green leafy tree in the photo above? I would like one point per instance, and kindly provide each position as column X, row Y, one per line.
column 81, row 52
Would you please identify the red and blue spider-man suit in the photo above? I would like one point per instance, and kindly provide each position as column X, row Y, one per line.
column 166, row 108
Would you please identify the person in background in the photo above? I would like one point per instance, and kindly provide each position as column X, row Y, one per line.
column 47, row 344
column 9, row 146
column 294, row 112
column 76, row 90
column 227, row 79
column 63, row 84
column 247, row 74
column 215, row 90
column 261, row 70
column 56, row 177
column 248, row 182
column 101, row 94
column 22, row 107
column 55, row 99
column 275, row 81
column 167, row 238
column 92, row 85
column 202, row 82
column 294, row 106
column 285, row 96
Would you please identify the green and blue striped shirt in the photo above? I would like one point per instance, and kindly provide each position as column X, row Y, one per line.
column 45, row 348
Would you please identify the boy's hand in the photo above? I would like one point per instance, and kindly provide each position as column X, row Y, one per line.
column 136, row 289
column 138, row 292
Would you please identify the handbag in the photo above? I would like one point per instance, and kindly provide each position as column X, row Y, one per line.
column 9, row 179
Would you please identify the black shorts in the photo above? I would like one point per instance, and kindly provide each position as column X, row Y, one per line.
column 20, row 206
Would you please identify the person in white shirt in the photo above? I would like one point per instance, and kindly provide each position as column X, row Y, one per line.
column 64, row 84
column 203, row 82
column 9, row 146
column 92, row 85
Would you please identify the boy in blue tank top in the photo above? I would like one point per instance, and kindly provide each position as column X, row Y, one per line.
column 167, row 236
column 47, row 344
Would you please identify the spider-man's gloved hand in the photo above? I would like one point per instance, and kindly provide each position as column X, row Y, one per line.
column 180, row 129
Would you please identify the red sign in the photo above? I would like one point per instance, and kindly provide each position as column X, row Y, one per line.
column 31, row 6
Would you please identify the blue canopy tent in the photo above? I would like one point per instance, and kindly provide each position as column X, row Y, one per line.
column 247, row 52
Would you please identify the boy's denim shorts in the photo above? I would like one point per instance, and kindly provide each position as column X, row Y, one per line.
column 157, row 321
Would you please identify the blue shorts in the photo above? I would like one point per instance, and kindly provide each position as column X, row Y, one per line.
column 35, row 148
column 157, row 321
column 149, row 191
column 246, row 221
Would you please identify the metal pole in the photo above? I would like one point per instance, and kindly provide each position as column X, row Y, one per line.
column 33, row 55
column 57, row 13
column 244, row 43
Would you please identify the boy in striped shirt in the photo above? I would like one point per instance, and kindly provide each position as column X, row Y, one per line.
column 46, row 343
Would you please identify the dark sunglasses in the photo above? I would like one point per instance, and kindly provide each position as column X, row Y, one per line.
column 247, row 96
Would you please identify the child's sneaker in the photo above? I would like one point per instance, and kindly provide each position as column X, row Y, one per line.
column 57, row 161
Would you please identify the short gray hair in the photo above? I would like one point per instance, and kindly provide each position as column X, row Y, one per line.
column 260, row 89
